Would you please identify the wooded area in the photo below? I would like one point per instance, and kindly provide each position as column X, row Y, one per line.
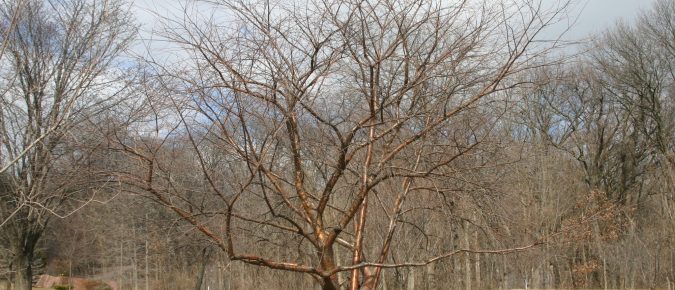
column 337, row 144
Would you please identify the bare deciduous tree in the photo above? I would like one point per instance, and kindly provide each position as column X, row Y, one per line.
column 54, row 77
column 308, row 120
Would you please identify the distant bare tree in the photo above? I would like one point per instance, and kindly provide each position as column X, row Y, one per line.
column 610, row 111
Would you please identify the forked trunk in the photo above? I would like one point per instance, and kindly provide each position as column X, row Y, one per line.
column 23, row 247
column 327, row 256
column 23, row 277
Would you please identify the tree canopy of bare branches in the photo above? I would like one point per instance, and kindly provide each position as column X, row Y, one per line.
column 307, row 120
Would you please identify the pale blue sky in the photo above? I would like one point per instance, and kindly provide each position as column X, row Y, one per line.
column 591, row 16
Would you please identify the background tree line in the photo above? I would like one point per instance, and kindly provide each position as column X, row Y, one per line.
column 337, row 145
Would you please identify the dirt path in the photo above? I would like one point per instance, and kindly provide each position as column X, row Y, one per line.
column 47, row 281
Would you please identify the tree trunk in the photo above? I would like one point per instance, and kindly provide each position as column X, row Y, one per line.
column 202, row 270
column 431, row 276
column 328, row 263
column 147, row 265
column 23, row 277
column 411, row 279
column 121, row 269
column 135, row 259
column 23, row 248
column 328, row 284
column 4, row 284
column 385, row 282
column 70, row 272
column 477, row 262
column 467, row 260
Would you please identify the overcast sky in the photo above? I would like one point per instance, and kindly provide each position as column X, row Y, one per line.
column 598, row 15
column 592, row 15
